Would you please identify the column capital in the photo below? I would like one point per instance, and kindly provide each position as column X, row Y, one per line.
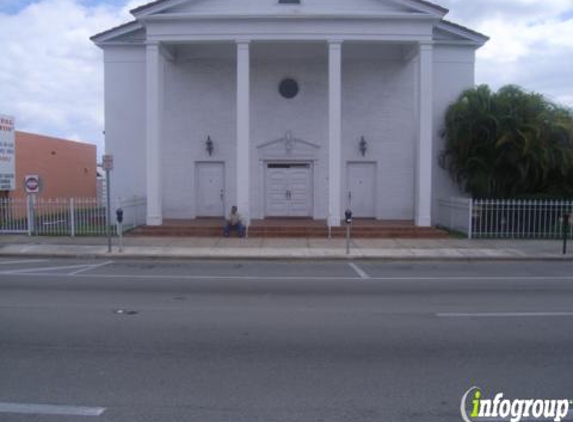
column 243, row 43
column 152, row 43
column 334, row 43
column 426, row 45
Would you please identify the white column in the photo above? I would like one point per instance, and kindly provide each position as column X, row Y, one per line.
column 243, row 129
column 334, row 131
column 154, row 111
column 423, row 216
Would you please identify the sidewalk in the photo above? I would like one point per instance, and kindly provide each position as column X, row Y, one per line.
column 300, row 248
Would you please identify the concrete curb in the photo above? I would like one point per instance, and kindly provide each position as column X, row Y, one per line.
column 397, row 255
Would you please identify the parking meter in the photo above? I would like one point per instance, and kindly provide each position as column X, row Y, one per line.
column 119, row 215
column 119, row 218
column 348, row 216
column 348, row 220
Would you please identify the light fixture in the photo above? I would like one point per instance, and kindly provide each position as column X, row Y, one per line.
column 362, row 145
column 209, row 146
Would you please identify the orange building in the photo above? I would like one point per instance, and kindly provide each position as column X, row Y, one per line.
column 67, row 169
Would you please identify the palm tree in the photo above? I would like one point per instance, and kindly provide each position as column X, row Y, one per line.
column 507, row 144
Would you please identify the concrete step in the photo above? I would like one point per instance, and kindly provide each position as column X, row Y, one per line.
column 294, row 231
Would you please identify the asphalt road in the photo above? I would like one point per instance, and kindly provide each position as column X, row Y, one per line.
column 276, row 341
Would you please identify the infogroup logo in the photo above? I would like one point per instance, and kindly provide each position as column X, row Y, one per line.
column 513, row 410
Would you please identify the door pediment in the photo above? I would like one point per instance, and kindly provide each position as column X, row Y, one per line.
column 288, row 147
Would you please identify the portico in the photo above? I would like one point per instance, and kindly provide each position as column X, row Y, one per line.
column 357, row 128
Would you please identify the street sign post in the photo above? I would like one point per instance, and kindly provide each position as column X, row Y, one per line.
column 107, row 164
column 32, row 188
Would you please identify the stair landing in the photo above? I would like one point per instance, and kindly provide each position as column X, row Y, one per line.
column 291, row 227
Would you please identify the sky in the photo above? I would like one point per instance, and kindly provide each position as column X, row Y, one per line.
column 51, row 74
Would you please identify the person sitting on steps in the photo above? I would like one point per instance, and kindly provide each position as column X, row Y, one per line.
column 234, row 222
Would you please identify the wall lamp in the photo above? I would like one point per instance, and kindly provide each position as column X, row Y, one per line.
column 209, row 146
column 362, row 146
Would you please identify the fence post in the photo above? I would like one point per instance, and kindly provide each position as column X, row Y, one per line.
column 72, row 218
column 470, row 218
column 565, row 229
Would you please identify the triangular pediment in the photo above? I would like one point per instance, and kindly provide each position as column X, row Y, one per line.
column 288, row 146
column 135, row 36
column 450, row 32
column 128, row 32
column 273, row 7
column 287, row 142
column 444, row 31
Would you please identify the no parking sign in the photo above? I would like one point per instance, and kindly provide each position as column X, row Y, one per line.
column 32, row 183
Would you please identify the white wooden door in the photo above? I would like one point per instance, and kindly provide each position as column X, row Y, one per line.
column 361, row 189
column 300, row 191
column 276, row 195
column 210, row 198
column 288, row 190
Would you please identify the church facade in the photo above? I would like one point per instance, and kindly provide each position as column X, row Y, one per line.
column 285, row 108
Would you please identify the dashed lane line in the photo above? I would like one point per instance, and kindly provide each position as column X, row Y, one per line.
column 502, row 314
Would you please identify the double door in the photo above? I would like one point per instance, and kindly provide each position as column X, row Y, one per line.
column 288, row 190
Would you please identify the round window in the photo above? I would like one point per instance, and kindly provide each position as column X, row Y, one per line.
column 288, row 88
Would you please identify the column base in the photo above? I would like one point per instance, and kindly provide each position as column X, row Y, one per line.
column 154, row 220
column 423, row 221
column 334, row 222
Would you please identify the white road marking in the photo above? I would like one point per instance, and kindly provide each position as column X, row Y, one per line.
column 27, row 271
column 22, row 261
column 502, row 314
column 184, row 277
column 90, row 267
column 50, row 409
column 254, row 277
column 361, row 273
column 36, row 273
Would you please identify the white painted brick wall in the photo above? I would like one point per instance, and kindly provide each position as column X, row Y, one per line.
column 200, row 102
column 378, row 103
column 125, row 119
column 453, row 73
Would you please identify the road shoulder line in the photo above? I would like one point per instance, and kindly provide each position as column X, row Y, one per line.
column 50, row 409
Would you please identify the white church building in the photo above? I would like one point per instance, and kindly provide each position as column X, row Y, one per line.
column 285, row 108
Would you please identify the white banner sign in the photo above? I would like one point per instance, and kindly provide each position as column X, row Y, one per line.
column 107, row 161
column 7, row 153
